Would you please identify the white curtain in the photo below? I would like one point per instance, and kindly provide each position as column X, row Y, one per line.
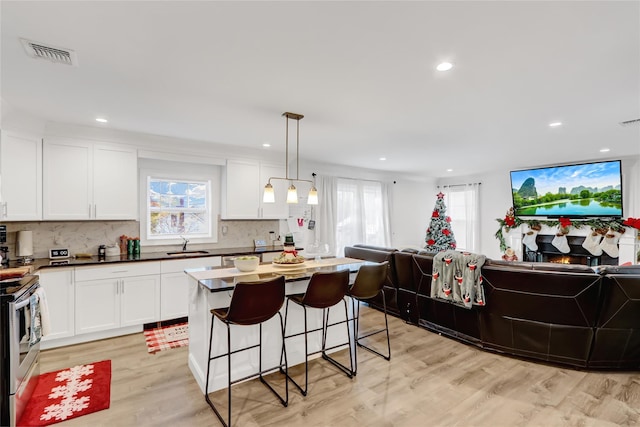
column 462, row 203
column 362, row 213
column 351, row 211
column 326, row 212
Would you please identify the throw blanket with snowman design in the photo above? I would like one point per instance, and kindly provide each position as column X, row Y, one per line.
column 456, row 278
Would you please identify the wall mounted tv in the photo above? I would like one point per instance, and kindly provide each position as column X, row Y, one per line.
column 574, row 191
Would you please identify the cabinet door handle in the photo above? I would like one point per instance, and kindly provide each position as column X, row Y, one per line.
column 5, row 209
column 95, row 211
column 122, row 284
column 89, row 210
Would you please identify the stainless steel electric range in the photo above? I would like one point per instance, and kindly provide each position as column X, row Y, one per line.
column 20, row 364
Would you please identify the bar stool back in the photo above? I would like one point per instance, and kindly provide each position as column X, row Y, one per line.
column 252, row 303
column 325, row 290
column 369, row 283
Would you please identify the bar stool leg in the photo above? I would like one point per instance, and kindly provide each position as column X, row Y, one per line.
column 348, row 371
column 285, row 401
column 386, row 329
column 206, row 389
column 306, row 352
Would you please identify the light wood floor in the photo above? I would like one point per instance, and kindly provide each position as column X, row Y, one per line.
column 430, row 381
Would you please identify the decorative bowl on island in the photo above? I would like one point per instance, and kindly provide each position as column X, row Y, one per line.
column 246, row 263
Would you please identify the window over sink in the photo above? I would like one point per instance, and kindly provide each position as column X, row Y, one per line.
column 178, row 199
column 178, row 208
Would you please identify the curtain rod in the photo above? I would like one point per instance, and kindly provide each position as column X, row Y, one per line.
column 460, row 185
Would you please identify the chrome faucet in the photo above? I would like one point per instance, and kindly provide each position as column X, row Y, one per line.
column 184, row 243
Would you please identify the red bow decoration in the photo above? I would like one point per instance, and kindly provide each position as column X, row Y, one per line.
column 434, row 214
column 431, row 242
column 446, row 232
column 448, row 219
column 564, row 222
column 632, row 222
column 453, row 245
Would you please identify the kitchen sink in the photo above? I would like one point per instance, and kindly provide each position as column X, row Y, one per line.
column 187, row 253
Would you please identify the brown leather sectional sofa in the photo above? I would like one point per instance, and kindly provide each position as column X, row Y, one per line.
column 568, row 314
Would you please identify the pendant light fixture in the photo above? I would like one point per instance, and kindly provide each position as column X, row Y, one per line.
column 292, row 192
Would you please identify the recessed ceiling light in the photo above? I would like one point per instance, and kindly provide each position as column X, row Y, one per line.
column 555, row 124
column 449, row 170
column 444, row 66
column 266, row 145
column 101, row 120
column 604, row 150
column 383, row 158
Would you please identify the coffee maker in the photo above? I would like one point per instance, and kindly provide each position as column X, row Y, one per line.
column 4, row 250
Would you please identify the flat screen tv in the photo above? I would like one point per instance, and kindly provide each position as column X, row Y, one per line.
column 585, row 190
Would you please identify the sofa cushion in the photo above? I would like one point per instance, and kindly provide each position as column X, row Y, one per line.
column 553, row 297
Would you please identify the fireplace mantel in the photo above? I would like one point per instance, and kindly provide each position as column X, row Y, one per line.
column 628, row 244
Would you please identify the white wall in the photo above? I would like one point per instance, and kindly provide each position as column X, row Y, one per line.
column 495, row 199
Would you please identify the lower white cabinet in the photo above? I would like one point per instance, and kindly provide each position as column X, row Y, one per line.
column 174, row 286
column 116, row 296
column 60, row 293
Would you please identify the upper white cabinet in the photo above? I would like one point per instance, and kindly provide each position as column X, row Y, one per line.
column 242, row 186
column 21, row 177
column 83, row 180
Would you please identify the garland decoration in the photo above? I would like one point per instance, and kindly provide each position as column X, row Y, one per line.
column 511, row 221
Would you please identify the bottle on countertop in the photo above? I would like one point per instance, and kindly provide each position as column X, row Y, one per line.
column 102, row 251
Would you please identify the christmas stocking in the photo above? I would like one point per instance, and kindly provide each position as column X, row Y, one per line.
column 560, row 242
column 610, row 243
column 529, row 239
column 592, row 243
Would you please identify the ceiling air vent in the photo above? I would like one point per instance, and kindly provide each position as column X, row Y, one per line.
column 50, row 53
column 634, row 122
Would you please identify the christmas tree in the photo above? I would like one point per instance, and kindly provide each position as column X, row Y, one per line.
column 439, row 235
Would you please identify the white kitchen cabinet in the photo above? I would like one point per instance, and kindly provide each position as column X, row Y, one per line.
column 21, row 177
column 60, row 293
column 242, row 188
column 115, row 177
column 97, row 305
column 174, row 286
column 83, row 180
column 115, row 296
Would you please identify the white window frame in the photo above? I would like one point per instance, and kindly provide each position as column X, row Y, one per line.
column 177, row 171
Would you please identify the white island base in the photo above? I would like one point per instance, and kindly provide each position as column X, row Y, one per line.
column 246, row 363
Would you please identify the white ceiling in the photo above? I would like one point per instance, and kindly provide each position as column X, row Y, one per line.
column 362, row 73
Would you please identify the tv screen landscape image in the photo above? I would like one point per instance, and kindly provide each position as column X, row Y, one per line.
column 572, row 191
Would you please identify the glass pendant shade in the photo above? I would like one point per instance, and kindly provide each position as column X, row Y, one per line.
column 269, row 195
column 313, row 196
column 292, row 194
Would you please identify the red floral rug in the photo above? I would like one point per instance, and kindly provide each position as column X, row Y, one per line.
column 166, row 337
column 69, row 393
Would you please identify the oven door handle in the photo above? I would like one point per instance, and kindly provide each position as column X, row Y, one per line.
column 21, row 304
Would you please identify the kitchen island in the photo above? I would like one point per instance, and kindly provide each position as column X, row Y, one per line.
column 212, row 288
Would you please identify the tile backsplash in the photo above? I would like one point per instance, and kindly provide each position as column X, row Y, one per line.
column 86, row 236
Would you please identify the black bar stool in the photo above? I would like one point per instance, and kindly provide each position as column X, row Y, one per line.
column 252, row 303
column 368, row 284
column 325, row 290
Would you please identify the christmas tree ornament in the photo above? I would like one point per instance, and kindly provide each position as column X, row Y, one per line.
column 592, row 243
column 609, row 243
column 439, row 236
column 560, row 243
